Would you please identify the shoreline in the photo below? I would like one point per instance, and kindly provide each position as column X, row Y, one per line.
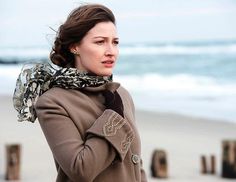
column 185, row 116
column 184, row 139
column 150, row 111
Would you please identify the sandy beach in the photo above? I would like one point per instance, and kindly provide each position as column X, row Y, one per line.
column 184, row 138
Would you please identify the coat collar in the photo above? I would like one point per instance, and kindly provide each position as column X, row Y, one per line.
column 112, row 86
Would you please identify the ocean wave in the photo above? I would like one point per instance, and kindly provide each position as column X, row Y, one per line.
column 180, row 93
column 185, row 94
column 189, row 85
column 22, row 54
column 176, row 83
column 178, row 49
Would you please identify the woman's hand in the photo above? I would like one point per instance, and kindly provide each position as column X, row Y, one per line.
column 113, row 101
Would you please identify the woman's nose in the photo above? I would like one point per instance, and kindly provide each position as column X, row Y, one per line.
column 110, row 50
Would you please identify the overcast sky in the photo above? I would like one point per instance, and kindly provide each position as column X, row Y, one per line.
column 27, row 22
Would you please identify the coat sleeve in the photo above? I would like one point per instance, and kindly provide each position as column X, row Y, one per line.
column 82, row 160
column 130, row 104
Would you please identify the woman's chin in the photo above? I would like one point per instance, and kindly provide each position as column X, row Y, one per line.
column 105, row 73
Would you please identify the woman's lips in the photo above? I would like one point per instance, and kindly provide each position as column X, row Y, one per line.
column 108, row 63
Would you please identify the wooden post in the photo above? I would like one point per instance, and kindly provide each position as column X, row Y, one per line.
column 213, row 164
column 203, row 164
column 13, row 153
column 159, row 164
column 229, row 159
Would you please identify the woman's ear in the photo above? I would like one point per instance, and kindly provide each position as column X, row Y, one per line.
column 74, row 49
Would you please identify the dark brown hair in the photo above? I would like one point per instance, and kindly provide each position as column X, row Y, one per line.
column 78, row 23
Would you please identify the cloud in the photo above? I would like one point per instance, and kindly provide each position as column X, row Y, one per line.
column 169, row 13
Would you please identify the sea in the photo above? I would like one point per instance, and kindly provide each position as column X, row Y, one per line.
column 190, row 78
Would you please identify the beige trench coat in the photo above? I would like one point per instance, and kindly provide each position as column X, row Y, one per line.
column 88, row 142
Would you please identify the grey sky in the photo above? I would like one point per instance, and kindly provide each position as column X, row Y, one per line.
column 26, row 22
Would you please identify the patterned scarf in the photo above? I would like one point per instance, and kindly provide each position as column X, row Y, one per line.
column 36, row 79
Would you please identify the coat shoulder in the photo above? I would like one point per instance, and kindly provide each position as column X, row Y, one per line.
column 124, row 92
column 52, row 94
column 126, row 98
column 58, row 96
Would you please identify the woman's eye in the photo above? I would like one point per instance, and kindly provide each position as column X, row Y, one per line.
column 99, row 42
column 116, row 42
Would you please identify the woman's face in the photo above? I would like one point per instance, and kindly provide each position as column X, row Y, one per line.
column 98, row 50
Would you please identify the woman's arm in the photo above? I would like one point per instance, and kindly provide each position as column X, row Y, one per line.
column 82, row 159
column 130, row 104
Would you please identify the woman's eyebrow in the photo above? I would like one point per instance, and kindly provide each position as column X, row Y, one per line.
column 104, row 37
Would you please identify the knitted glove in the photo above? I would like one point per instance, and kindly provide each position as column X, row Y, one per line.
column 113, row 101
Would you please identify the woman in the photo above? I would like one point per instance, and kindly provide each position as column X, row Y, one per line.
column 87, row 119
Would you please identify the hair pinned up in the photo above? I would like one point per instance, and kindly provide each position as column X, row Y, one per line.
column 78, row 23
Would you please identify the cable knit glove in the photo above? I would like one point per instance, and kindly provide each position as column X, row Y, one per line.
column 113, row 101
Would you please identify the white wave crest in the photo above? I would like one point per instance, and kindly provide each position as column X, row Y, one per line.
column 24, row 53
column 180, row 83
column 178, row 49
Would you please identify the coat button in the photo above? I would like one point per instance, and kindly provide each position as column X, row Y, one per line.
column 135, row 159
